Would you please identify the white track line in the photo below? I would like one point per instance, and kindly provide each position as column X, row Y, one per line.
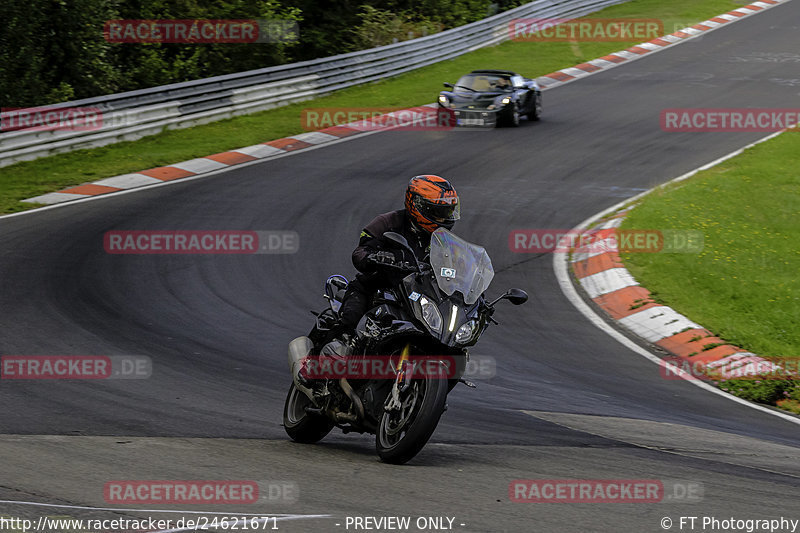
column 561, row 267
column 128, row 510
column 259, row 517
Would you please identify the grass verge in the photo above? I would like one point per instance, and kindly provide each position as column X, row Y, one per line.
column 744, row 285
column 531, row 59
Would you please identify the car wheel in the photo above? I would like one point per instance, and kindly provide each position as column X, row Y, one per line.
column 536, row 112
column 445, row 117
column 513, row 117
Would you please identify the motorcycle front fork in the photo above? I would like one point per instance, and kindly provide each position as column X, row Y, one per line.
column 401, row 382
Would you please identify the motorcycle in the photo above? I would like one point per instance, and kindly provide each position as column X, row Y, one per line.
column 421, row 328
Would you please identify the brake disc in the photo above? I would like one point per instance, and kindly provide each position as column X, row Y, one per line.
column 404, row 414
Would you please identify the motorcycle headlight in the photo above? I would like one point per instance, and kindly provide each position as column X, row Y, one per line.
column 431, row 315
column 466, row 331
column 443, row 100
column 506, row 100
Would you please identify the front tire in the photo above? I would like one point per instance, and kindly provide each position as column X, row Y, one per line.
column 403, row 433
column 300, row 425
column 536, row 113
column 514, row 115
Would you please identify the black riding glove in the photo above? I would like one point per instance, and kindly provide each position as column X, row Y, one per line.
column 383, row 258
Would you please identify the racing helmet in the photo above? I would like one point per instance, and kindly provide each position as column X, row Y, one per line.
column 431, row 202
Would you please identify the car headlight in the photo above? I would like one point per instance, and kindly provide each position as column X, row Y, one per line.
column 506, row 100
column 466, row 331
column 431, row 315
column 443, row 100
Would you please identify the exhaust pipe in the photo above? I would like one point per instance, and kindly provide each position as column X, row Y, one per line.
column 353, row 397
column 299, row 349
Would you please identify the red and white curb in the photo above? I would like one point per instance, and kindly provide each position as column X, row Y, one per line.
column 195, row 167
column 624, row 302
column 567, row 75
column 213, row 163
column 609, row 285
column 267, row 150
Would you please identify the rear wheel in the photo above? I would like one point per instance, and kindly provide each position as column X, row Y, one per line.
column 403, row 432
column 300, row 425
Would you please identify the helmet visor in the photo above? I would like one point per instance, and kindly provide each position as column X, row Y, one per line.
column 440, row 213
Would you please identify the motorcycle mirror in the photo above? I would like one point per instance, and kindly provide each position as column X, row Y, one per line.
column 396, row 237
column 516, row 296
column 399, row 239
column 448, row 85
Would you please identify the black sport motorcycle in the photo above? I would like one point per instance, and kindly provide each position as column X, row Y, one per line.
column 419, row 331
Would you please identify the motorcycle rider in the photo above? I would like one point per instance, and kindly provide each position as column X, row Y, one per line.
column 431, row 202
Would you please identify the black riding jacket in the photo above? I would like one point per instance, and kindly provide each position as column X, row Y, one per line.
column 372, row 240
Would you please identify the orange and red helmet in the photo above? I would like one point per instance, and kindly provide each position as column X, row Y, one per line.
column 432, row 202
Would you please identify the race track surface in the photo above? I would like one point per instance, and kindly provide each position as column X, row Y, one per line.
column 567, row 402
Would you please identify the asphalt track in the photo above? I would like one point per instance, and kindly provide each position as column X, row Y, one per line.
column 568, row 402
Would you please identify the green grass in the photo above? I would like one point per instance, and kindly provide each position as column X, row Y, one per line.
column 745, row 284
column 532, row 59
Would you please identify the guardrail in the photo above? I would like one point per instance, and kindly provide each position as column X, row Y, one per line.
column 135, row 114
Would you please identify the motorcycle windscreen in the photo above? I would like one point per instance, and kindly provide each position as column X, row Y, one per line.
column 460, row 266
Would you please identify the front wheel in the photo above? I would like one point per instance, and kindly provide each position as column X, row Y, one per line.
column 300, row 425
column 514, row 115
column 536, row 112
column 402, row 433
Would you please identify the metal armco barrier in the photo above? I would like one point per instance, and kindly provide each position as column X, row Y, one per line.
column 135, row 114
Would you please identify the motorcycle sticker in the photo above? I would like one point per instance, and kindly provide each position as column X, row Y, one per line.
column 448, row 272
column 414, row 296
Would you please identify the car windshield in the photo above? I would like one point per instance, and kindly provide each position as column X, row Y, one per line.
column 460, row 266
column 484, row 82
